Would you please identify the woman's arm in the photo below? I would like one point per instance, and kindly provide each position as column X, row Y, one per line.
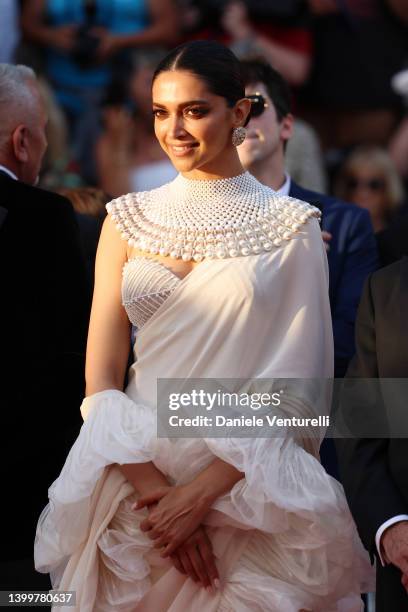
column 163, row 30
column 292, row 64
column 216, row 479
column 109, row 328
column 106, row 361
column 35, row 29
column 109, row 340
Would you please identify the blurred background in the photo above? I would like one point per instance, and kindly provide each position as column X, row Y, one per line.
column 345, row 61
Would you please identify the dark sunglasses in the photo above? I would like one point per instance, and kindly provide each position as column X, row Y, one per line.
column 258, row 104
column 374, row 184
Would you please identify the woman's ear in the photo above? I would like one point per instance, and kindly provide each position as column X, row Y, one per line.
column 19, row 139
column 242, row 112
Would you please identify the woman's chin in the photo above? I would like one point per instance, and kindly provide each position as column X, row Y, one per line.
column 184, row 164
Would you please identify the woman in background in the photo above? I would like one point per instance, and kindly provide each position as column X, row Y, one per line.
column 128, row 155
column 82, row 39
column 369, row 178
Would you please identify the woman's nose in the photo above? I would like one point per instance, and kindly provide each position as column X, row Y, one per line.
column 176, row 127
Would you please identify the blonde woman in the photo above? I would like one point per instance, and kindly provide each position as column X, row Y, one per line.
column 369, row 179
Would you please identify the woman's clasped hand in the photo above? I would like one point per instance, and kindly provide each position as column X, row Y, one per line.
column 174, row 523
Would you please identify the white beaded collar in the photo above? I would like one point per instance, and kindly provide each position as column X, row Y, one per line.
column 194, row 219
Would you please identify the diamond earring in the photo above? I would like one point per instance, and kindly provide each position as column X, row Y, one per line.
column 238, row 136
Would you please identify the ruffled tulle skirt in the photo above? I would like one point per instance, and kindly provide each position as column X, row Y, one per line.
column 283, row 538
column 295, row 570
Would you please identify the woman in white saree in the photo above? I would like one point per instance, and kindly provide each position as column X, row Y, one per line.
column 223, row 279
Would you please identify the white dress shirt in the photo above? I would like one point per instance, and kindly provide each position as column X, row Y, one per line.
column 9, row 172
column 384, row 526
column 284, row 190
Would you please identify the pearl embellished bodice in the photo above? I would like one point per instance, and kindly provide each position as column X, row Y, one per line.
column 197, row 219
column 146, row 285
column 193, row 220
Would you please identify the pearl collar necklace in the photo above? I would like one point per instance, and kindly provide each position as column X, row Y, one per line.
column 197, row 219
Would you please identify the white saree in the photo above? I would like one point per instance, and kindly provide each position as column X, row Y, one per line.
column 283, row 537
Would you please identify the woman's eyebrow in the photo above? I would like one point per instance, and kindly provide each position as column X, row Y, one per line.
column 183, row 104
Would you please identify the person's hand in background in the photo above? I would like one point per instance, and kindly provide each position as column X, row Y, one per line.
column 63, row 38
column 108, row 44
column 247, row 41
column 326, row 239
column 394, row 543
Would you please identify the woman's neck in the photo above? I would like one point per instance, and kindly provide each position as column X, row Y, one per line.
column 227, row 166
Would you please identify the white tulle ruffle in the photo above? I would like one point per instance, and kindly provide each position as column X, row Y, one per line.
column 293, row 510
column 116, row 430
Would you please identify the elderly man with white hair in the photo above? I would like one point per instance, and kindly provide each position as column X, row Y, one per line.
column 43, row 321
column 23, row 119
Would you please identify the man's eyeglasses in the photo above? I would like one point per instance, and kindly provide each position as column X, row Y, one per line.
column 258, row 104
column 374, row 184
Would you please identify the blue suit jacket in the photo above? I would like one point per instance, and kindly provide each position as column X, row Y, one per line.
column 352, row 257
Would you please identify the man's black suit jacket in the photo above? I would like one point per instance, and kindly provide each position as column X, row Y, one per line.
column 393, row 241
column 375, row 471
column 44, row 310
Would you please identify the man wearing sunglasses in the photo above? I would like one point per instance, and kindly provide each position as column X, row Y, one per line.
column 347, row 230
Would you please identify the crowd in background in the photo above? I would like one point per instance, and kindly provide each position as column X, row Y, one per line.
column 339, row 82
column 344, row 60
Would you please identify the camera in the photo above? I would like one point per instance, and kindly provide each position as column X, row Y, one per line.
column 85, row 50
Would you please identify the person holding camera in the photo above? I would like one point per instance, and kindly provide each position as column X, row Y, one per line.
column 81, row 39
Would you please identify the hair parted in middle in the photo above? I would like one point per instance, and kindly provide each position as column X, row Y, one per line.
column 210, row 61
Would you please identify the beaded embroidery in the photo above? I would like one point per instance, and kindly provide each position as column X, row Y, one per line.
column 197, row 219
column 146, row 286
